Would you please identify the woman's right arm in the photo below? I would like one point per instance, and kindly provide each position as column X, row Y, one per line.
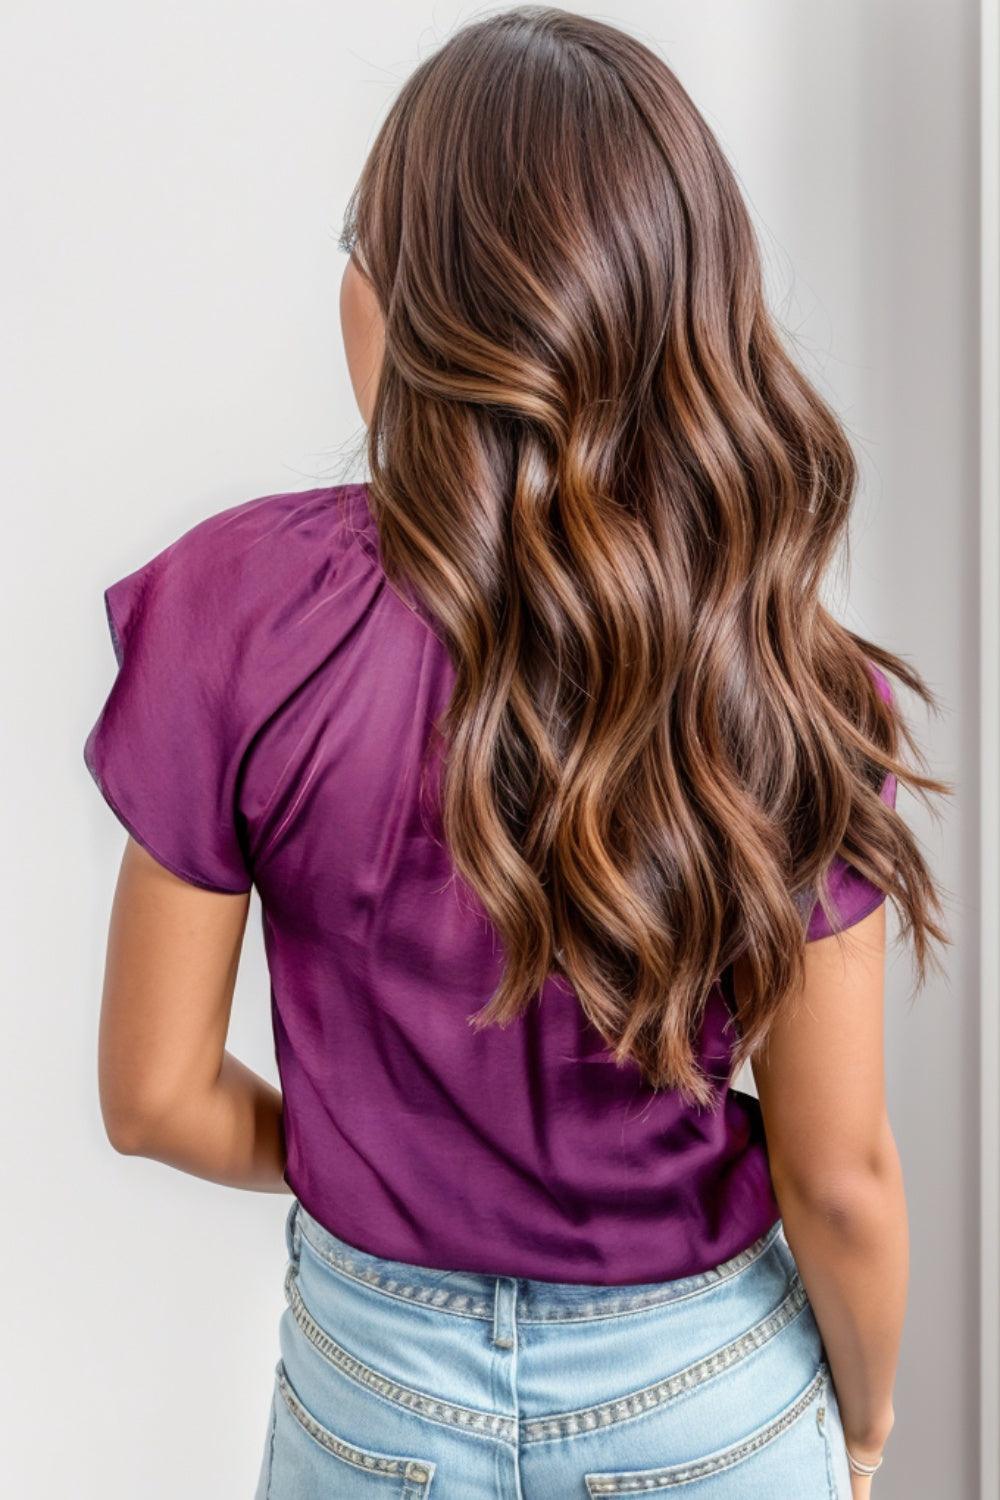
column 836, row 1171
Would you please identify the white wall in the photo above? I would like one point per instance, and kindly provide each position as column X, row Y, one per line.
column 174, row 179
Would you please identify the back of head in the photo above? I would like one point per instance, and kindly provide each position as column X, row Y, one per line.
column 597, row 464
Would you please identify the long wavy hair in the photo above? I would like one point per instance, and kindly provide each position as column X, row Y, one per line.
column 602, row 473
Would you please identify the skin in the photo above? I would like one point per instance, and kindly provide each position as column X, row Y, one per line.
column 837, row 1174
column 363, row 330
column 170, row 1090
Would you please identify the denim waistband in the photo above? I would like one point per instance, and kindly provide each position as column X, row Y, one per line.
column 476, row 1294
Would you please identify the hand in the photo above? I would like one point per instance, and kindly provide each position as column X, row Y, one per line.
column 861, row 1486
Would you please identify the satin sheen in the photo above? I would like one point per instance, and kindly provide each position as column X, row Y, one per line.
column 273, row 699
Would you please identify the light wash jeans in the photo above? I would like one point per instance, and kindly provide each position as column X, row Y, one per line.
column 400, row 1380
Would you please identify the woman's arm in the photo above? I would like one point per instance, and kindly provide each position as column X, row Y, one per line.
column 168, row 1088
column 836, row 1170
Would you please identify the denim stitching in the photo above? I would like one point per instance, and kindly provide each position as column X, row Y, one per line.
column 677, row 1291
column 507, row 1428
column 465, row 1305
column 470, row 1419
column 660, row 1479
column 411, row 1469
column 437, row 1297
column 610, row 1413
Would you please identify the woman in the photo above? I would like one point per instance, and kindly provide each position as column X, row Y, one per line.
column 564, row 796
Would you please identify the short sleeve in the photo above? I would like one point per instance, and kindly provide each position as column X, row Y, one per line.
column 165, row 749
column 852, row 895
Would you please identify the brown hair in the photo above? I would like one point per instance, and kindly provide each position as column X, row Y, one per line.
column 599, row 468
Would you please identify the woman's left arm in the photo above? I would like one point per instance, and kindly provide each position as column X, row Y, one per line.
column 168, row 1088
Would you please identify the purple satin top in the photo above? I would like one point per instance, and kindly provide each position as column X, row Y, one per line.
column 273, row 698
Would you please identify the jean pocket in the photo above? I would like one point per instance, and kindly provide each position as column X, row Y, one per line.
column 787, row 1455
column 307, row 1460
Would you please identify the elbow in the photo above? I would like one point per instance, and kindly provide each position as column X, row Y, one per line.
column 128, row 1131
column 132, row 1123
column 140, row 1098
column 848, row 1199
column 842, row 1207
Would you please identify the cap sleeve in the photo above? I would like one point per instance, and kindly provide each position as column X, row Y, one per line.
column 852, row 895
column 165, row 749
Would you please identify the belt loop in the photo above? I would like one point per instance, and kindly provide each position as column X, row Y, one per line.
column 504, row 1309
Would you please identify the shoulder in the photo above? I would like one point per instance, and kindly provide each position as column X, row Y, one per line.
column 223, row 578
column 275, row 531
column 213, row 634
